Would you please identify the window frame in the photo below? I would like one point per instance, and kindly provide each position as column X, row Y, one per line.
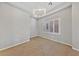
column 59, row 25
column 59, row 29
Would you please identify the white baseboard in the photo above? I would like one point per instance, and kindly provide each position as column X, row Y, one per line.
column 42, row 37
column 14, row 45
column 56, row 41
column 61, row 42
column 75, row 49
column 33, row 36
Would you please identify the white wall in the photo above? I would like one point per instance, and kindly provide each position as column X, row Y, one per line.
column 33, row 29
column 75, row 25
column 14, row 26
column 66, row 26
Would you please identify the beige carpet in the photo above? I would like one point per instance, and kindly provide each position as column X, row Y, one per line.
column 40, row 47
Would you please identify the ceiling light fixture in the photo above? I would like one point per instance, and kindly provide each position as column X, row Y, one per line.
column 50, row 3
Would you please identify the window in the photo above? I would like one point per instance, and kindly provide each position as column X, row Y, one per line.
column 52, row 26
column 47, row 26
column 56, row 26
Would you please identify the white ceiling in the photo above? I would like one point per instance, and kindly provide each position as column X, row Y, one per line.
column 29, row 6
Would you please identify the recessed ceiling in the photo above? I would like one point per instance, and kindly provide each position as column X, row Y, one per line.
column 29, row 6
column 36, row 5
